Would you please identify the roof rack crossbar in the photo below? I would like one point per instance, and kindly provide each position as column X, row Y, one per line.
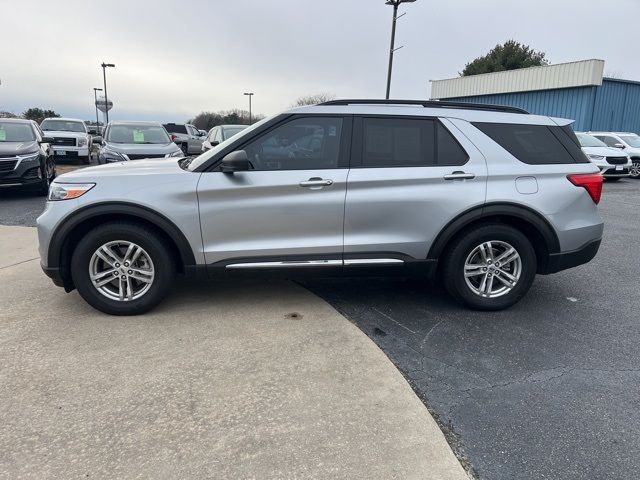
column 429, row 104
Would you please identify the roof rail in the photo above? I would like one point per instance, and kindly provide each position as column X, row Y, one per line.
column 429, row 104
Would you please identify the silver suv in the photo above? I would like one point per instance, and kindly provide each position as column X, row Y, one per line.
column 482, row 197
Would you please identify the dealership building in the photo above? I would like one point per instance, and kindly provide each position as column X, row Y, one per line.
column 576, row 90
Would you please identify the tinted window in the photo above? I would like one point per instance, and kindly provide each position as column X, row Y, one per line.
column 231, row 131
column 609, row 141
column 16, row 132
column 449, row 150
column 398, row 142
column 145, row 134
column 63, row 126
column 173, row 128
column 535, row 144
column 302, row 144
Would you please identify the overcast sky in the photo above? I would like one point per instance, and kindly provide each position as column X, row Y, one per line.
column 177, row 58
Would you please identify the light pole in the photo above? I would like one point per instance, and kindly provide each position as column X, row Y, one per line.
column 249, row 94
column 396, row 4
column 106, row 99
column 95, row 103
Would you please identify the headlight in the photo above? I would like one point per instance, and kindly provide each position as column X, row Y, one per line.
column 82, row 142
column 29, row 157
column 596, row 157
column 177, row 153
column 68, row 191
column 111, row 156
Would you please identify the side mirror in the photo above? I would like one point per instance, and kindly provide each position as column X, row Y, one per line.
column 47, row 140
column 214, row 143
column 620, row 145
column 97, row 139
column 92, row 131
column 235, row 162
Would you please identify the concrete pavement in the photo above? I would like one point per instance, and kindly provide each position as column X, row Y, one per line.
column 221, row 381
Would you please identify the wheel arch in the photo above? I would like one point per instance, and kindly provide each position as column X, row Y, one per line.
column 70, row 231
column 531, row 223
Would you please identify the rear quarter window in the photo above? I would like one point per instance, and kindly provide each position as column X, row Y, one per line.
column 536, row 144
column 174, row 128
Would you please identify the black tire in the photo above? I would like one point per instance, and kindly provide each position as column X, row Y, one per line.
column 154, row 246
column 43, row 188
column 185, row 148
column 453, row 271
column 84, row 160
column 635, row 168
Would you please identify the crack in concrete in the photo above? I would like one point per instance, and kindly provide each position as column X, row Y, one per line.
column 19, row 263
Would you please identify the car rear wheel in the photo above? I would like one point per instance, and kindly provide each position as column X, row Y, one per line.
column 122, row 268
column 635, row 168
column 490, row 267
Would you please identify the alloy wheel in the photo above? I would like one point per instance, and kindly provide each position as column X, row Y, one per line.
column 492, row 269
column 635, row 169
column 121, row 270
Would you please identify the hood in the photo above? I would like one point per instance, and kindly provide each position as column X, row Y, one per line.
column 18, row 148
column 63, row 134
column 141, row 149
column 159, row 166
column 604, row 151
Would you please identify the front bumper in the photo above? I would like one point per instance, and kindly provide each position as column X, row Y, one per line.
column 565, row 260
column 24, row 173
column 612, row 171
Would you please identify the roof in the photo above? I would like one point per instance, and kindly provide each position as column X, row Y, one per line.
column 562, row 75
column 134, row 122
column 463, row 113
column 64, row 119
column 15, row 120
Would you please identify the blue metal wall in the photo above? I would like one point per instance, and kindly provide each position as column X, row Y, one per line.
column 614, row 106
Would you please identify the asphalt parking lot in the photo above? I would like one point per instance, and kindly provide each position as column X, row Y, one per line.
column 547, row 389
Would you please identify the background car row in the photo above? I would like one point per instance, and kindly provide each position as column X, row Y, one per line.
column 616, row 154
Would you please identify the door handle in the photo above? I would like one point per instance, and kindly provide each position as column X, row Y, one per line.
column 316, row 182
column 459, row 176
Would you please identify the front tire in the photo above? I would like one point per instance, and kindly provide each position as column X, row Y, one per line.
column 489, row 267
column 635, row 168
column 121, row 268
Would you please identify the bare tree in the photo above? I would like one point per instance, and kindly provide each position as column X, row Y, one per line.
column 313, row 99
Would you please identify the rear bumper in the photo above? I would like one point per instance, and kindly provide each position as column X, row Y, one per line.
column 564, row 260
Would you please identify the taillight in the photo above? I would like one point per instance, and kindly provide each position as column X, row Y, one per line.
column 591, row 182
column 173, row 137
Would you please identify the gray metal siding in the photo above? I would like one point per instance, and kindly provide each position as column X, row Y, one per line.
column 614, row 106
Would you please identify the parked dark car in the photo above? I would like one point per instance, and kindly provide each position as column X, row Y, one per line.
column 26, row 156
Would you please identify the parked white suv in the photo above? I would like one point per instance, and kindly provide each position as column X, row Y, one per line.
column 629, row 142
column 480, row 197
column 71, row 139
column 612, row 162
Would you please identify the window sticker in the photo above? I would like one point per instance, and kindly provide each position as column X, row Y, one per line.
column 138, row 136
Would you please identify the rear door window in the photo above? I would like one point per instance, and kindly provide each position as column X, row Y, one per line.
column 535, row 144
column 398, row 142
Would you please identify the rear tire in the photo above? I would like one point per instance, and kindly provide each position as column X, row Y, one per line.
column 475, row 256
column 152, row 270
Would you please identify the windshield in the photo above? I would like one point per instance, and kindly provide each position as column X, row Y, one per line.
column 143, row 134
column 199, row 160
column 16, row 132
column 632, row 140
column 231, row 131
column 589, row 141
column 175, row 128
column 63, row 126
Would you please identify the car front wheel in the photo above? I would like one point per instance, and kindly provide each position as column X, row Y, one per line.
column 122, row 269
column 635, row 168
column 490, row 267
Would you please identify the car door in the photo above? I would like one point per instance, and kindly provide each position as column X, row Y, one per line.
column 195, row 140
column 289, row 206
column 410, row 176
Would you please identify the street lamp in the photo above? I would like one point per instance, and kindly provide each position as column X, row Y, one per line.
column 396, row 4
column 249, row 94
column 95, row 103
column 104, row 78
